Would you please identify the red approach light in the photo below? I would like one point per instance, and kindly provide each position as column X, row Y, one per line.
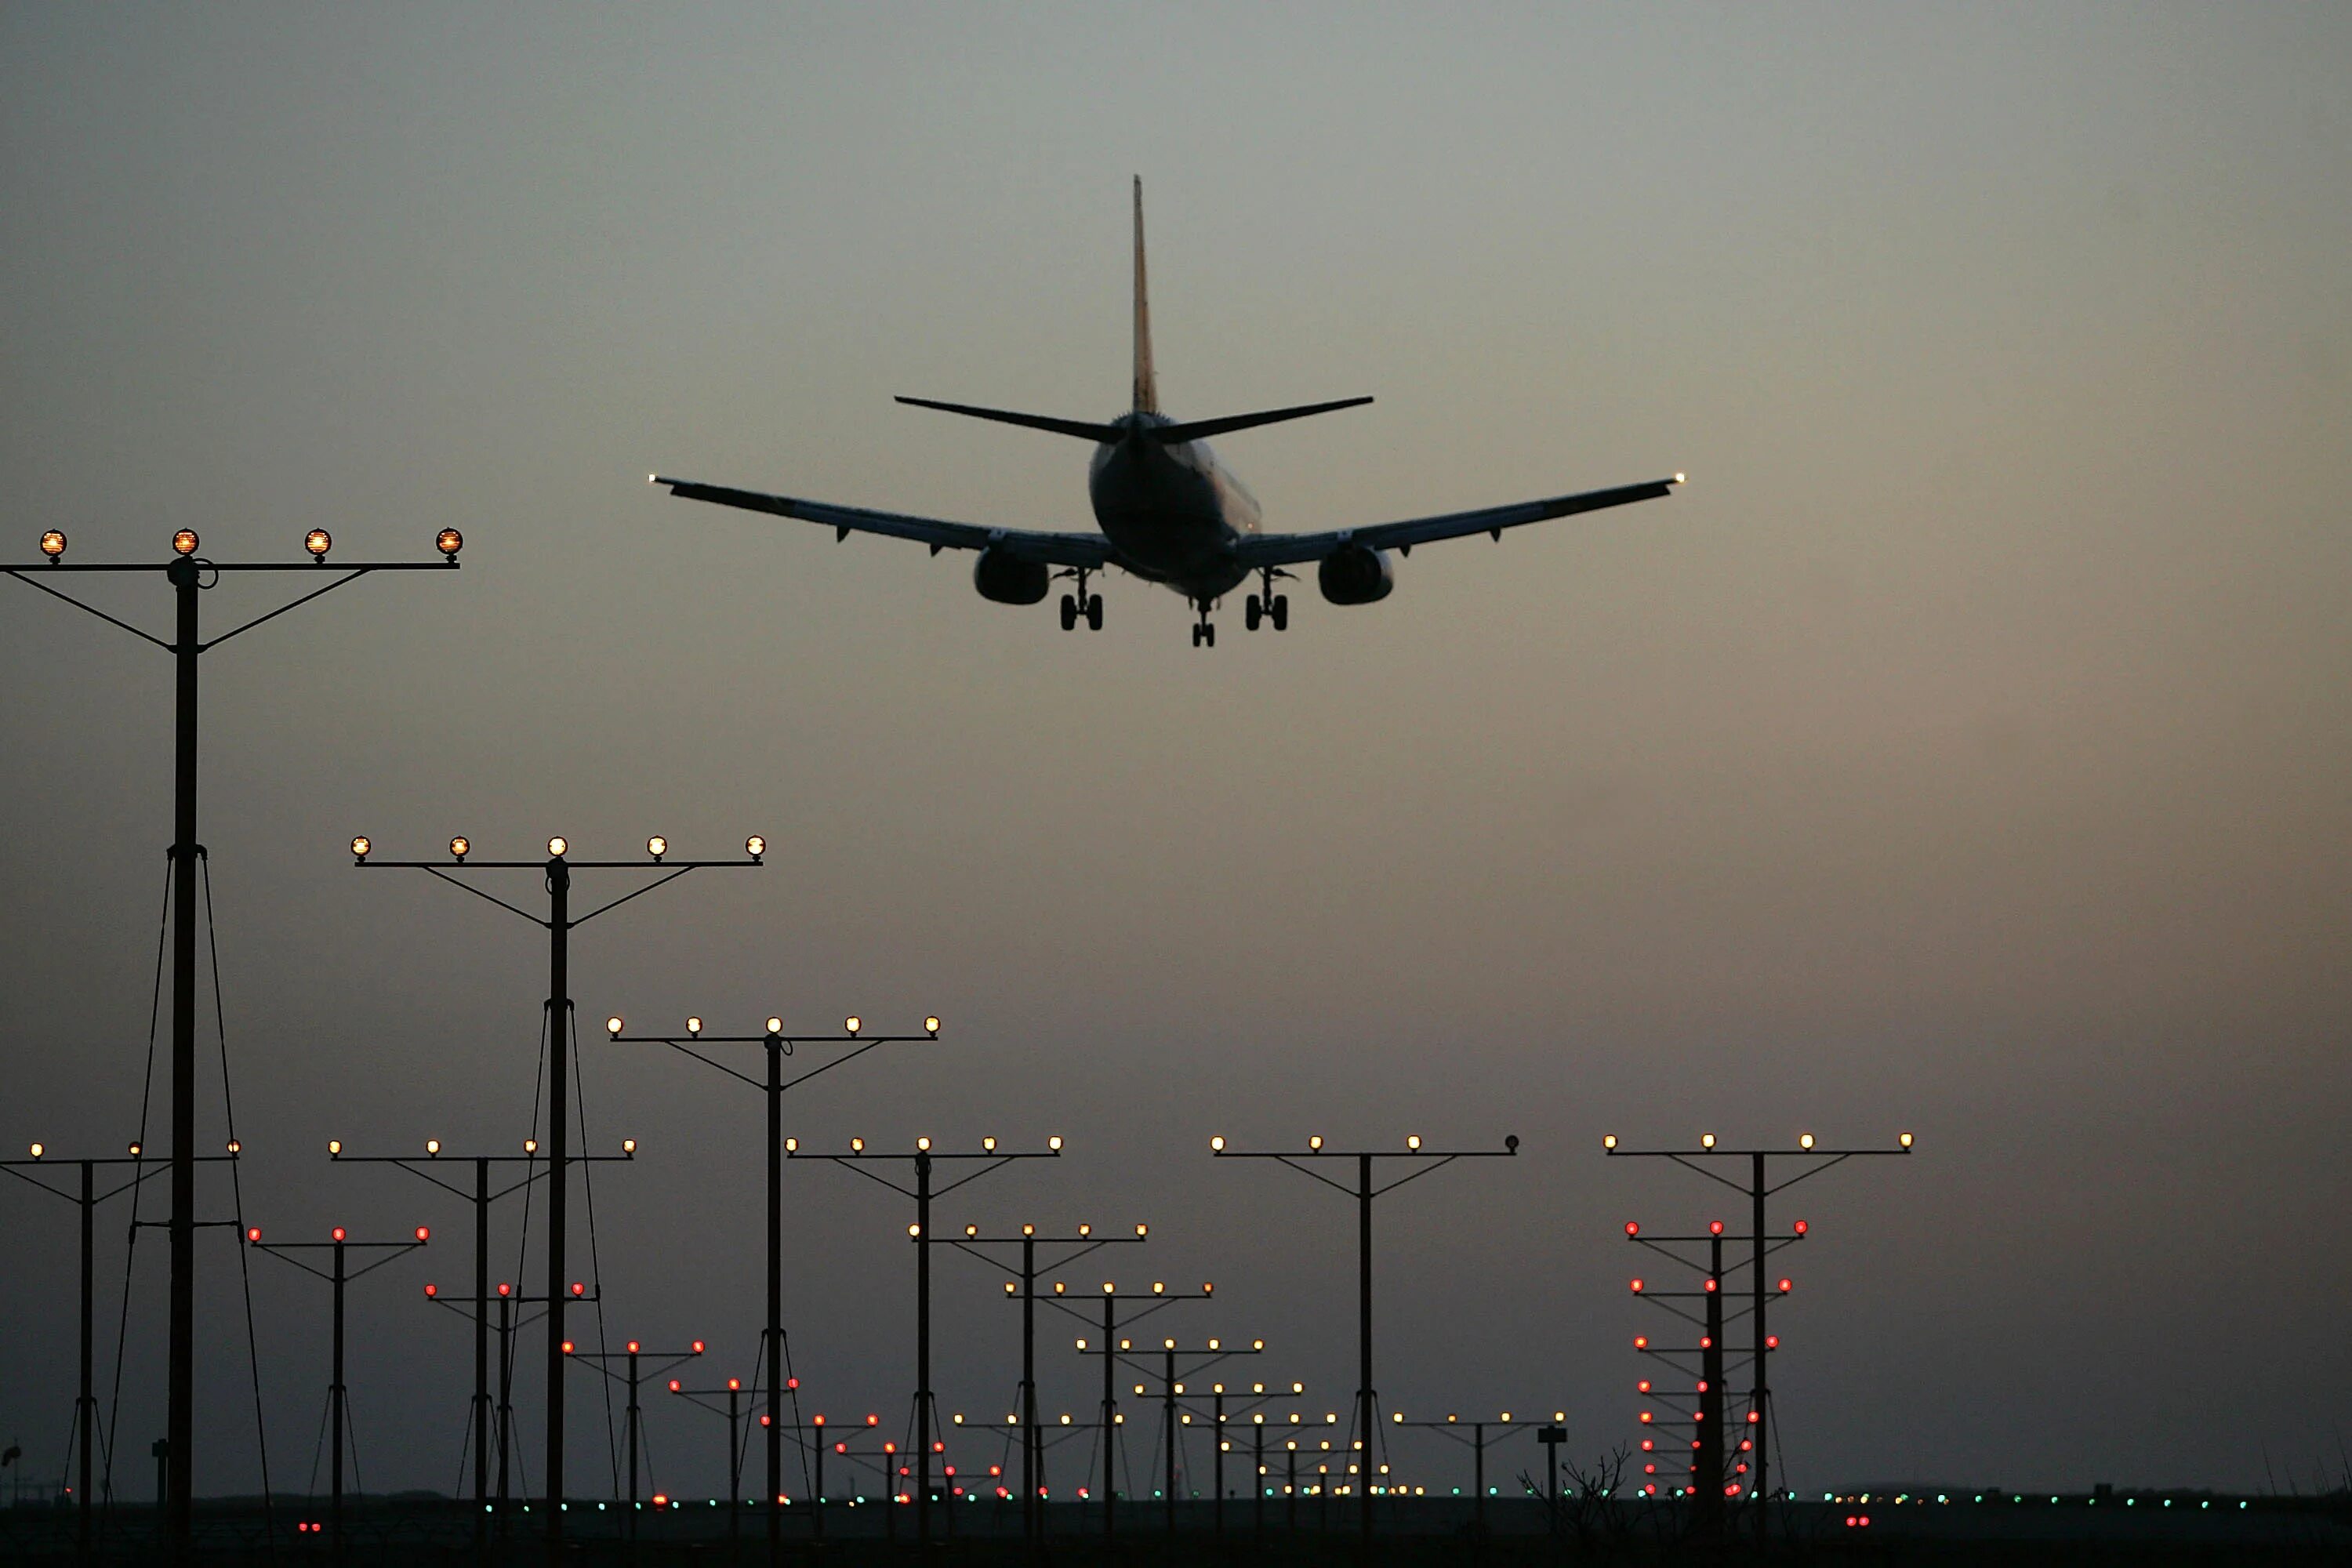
column 633, row 1347
column 1649, row 1470
column 818, row 1419
column 1647, row 1445
column 505, row 1289
column 661, row 1499
column 253, row 1235
column 1710, row 1286
column 1646, row 1418
column 1784, row 1287
column 735, row 1384
column 424, row 1232
column 1706, row 1341
column 1732, row 1490
column 1746, row 1444
column 1642, row 1386
column 698, row 1350
column 567, row 1347
column 1771, row 1342
column 763, row 1420
column 338, row 1233
column 873, row 1420
column 791, row 1383
column 950, row 1470
column 578, row 1288
column 1800, row 1227
column 889, row 1447
column 841, row 1447
column 1715, row 1228
column 996, row 1470
column 1702, row 1385
column 1753, row 1417
column 939, row 1447
column 433, row 1289
column 673, row 1386
column 1633, row 1228
column 1641, row 1341
column 1637, row 1287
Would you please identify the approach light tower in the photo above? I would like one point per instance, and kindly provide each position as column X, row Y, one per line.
column 1756, row 1189
column 190, row 574
column 556, row 873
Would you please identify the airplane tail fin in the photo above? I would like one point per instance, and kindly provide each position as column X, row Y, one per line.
column 1147, row 385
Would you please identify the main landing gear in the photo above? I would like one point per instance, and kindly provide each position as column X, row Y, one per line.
column 1268, row 605
column 1204, row 633
column 1081, row 604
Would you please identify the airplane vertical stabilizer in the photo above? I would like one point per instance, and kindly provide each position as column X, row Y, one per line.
column 1146, row 386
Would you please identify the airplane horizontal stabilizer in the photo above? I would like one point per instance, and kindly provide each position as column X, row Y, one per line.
column 1098, row 433
column 1202, row 429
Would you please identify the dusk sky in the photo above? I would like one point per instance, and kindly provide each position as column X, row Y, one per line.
column 1964, row 751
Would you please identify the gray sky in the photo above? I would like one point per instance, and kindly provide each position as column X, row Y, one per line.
column 1964, row 750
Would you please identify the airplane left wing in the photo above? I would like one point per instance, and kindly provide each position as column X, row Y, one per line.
column 1090, row 550
column 1258, row 549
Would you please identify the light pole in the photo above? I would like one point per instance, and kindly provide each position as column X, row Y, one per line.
column 338, row 1274
column 1756, row 1189
column 632, row 1358
column 557, row 871
column 1171, row 1390
column 699, row 1398
column 1364, row 1192
column 989, row 1158
column 1033, row 1453
column 430, row 1166
column 1452, row 1428
column 189, row 575
column 87, row 1198
column 776, row 1046
column 1112, row 1347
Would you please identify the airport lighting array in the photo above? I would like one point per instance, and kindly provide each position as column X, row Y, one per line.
column 87, row 1198
column 189, row 575
column 1814, row 1158
column 1452, row 1426
column 975, row 1243
column 989, row 1158
column 776, row 1047
column 1110, row 1347
column 1171, row 1390
column 338, row 1274
column 1423, row 1160
column 557, row 872
column 431, row 1165
column 632, row 1357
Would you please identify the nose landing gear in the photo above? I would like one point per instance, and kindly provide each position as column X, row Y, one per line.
column 1081, row 605
column 1268, row 605
column 1204, row 634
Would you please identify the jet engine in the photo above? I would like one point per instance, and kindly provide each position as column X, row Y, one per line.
column 1008, row 579
column 1356, row 575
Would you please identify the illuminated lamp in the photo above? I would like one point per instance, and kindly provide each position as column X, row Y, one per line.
column 448, row 541
column 52, row 542
column 183, row 542
column 318, row 541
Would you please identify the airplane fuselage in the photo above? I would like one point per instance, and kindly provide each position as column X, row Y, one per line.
column 1172, row 511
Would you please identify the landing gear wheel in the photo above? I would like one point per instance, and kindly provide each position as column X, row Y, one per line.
column 1280, row 614
column 1252, row 613
column 1094, row 612
column 1069, row 612
column 1208, row 635
column 1196, row 635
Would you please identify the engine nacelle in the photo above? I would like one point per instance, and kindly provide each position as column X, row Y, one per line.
column 1356, row 575
column 1008, row 579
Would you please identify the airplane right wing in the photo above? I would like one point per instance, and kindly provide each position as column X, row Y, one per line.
column 1258, row 550
column 1089, row 549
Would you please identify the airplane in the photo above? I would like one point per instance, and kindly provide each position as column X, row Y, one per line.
column 1170, row 511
